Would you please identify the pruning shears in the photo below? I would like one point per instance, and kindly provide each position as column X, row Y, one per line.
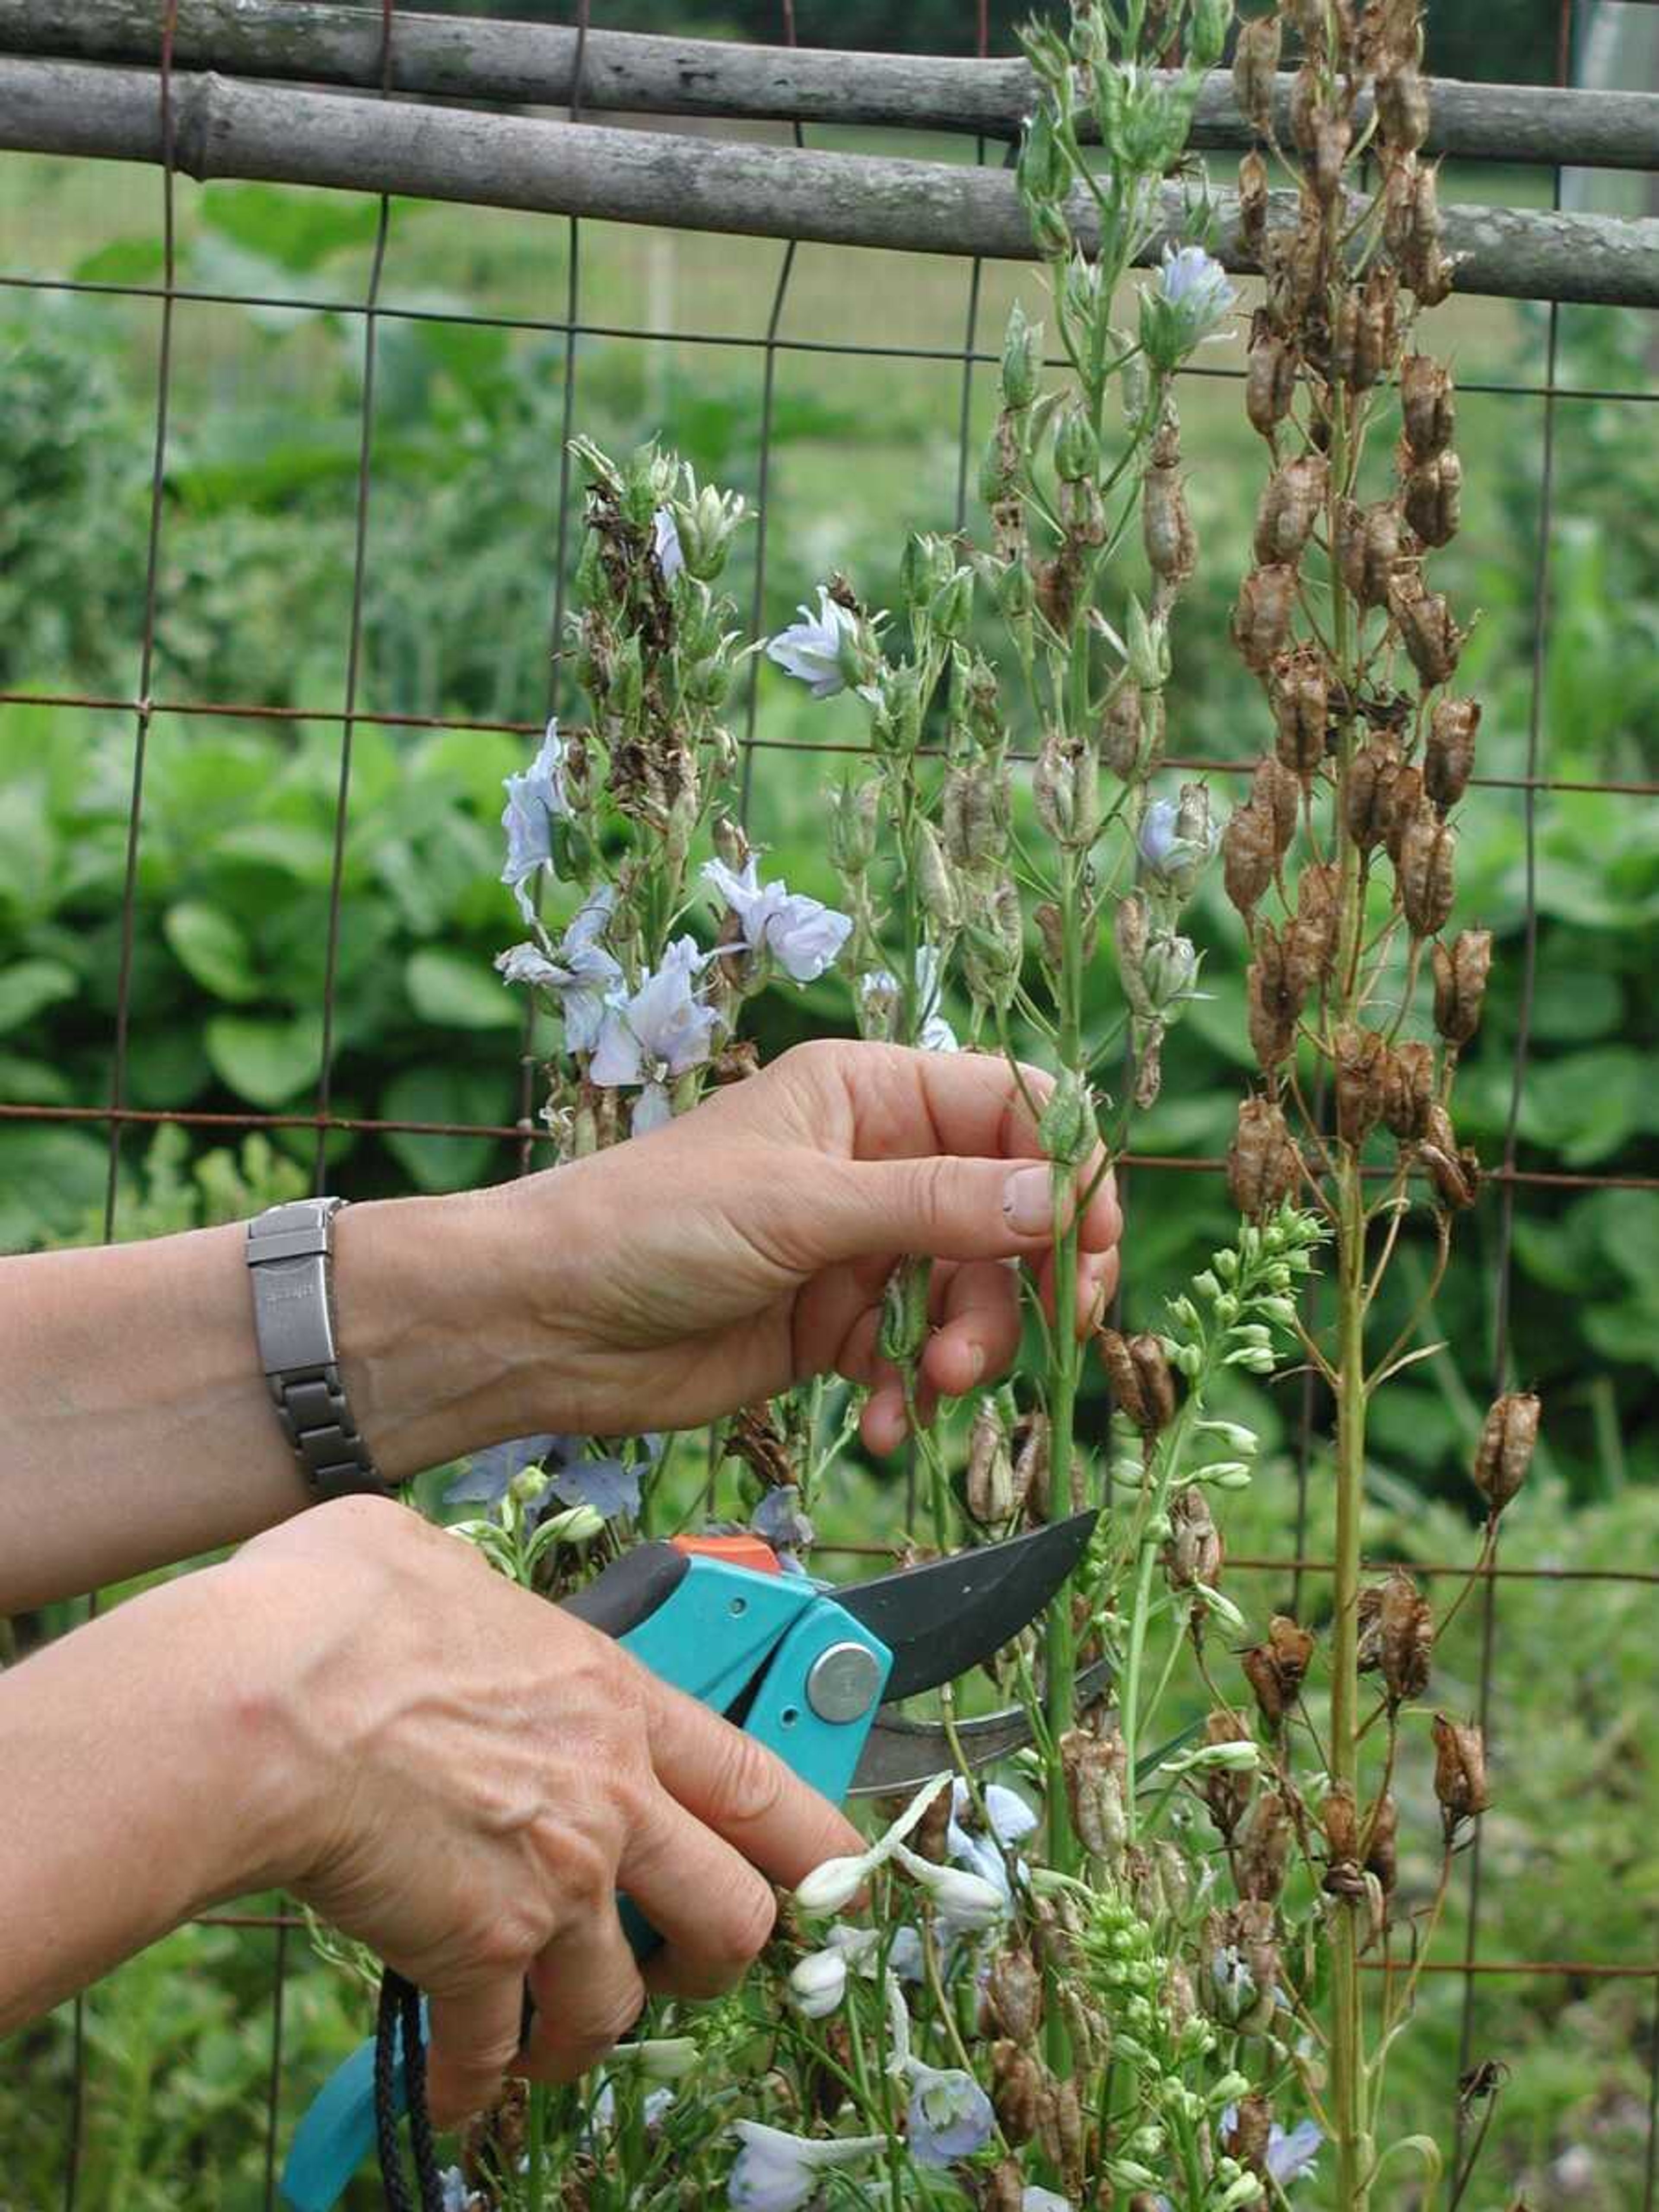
column 810, row 1669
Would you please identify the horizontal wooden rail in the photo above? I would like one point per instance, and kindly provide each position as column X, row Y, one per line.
column 534, row 64
column 226, row 128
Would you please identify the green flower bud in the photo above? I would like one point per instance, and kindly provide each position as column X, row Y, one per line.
column 952, row 608
column 895, row 724
column 1066, row 1128
column 854, row 814
column 1206, row 38
column 934, row 881
column 905, row 1314
column 704, row 522
column 1041, row 170
column 1149, row 648
column 1050, row 232
column 1022, row 346
column 1015, row 591
column 928, row 564
column 1077, row 449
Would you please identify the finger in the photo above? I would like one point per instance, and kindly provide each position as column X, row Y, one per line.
column 828, row 1308
column 588, row 1993
column 1096, row 1286
column 940, row 1207
column 858, row 1359
column 740, row 1789
column 884, row 1422
column 712, row 1910
column 978, row 1332
column 474, row 2041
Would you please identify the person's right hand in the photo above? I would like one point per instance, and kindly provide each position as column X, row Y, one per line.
column 467, row 1776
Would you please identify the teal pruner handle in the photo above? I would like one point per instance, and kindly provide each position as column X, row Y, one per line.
column 710, row 1628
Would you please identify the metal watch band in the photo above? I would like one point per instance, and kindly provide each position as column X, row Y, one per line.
column 289, row 1261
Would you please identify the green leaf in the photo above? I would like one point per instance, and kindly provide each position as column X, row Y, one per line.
column 123, row 261
column 445, row 1094
column 452, row 992
column 213, row 949
column 30, row 985
column 298, row 229
column 265, row 1061
column 32, row 1082
column 50, row 1179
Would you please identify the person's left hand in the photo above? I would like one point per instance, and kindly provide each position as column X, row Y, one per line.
column 747, row 1245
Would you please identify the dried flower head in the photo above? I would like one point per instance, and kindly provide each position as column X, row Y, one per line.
column 1299, row 692
column 1166, row 527
column 1276, row 792
column 1094, row 1768
column 1289, row 506
column 1142, row 1382
column 1277, row 1668
column 1431, row 636
column 1013, row 1991
column 1339, row 1821
column 1402, row 108
column 1017, row 2082
column 1274, row 1005
column 1503, row 1454
column 1193, row 1555
column 1249, row 854
column 1310, row 938
column 1428, row 851
column 1360, row 1055
column 1408, row 1089
column 1368, row 550
column 1269, row 376
column 1255, row 65
column 1453, row 1169
column 1433, row 493
column 1262, row 1857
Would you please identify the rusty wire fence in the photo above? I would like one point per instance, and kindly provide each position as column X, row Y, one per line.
column 965, row 365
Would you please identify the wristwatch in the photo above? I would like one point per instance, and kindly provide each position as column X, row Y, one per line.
column 290, row 1265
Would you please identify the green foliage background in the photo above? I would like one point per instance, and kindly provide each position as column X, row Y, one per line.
column 236, row 851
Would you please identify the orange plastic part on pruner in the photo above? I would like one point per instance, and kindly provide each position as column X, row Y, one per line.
column 751, row 1552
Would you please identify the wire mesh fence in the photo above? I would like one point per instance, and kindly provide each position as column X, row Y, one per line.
column 572, row 321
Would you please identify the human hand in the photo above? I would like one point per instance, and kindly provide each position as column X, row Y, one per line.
column 747, row 1245
column 466, row 1777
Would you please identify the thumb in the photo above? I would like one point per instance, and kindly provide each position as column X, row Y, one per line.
column 942, row 1207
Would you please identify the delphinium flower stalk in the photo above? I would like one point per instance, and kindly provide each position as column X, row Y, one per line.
column 1358, row 652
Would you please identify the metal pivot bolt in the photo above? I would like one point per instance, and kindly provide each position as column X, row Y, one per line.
column 842, row 1682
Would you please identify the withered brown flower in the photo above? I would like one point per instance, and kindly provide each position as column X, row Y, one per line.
column 1142, row 1379
column 1093, row 1767
column 1426, row 404
column 1425, row 873
column 1298, row 692
column 1432, row 638
column 1277, row 1668
column 1248, row 856
column 1453, row 1169
column 1013, row 1991
column 1273, row 1008
column 1269, row 376
column 1448, row 754
column 1193, row 1553
column 1255, row 65
column 1433, row 495
column 1261, row 1857
column 1017, row 2082
column 1408, row 1089
column 1358, row 1082
column 1368, row 793
column 1368, row 548
column 1289, row 507
column 1261, row 618
column 1396, row 1636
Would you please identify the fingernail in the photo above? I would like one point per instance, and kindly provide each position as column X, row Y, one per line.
column 1028, row 1201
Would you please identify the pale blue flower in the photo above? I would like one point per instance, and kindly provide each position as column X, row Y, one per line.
column 1290, row 2153
column 777, row 2172
column 534, row 799
column 801, row 933
column 1189, row 302
column 659, row 1032
column 603, row 2116
column 1044, row 2200
column 580, row 974
column 949, row 2115
column 1011, row 1820
column 818, row 648
column 879, row 993
column 576, row 1475
column 1176, row 841
column 457, row 2195
column 779, row 1522
column 665, row 544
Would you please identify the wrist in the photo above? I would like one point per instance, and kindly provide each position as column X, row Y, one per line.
column 439, row 1305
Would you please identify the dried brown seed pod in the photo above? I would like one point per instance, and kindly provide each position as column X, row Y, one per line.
column 1263, row 1163
column 1289, row 507
column 1426, row 872
column 1193, row 1555
column 1368, row 793
column 1400, row 208
column 1332, row 139
column 1448, row 754
column 1030, row 1443
column 1460, row 1773
column 1405, row 802
column 1018, row 2081
column 1156, row 1377
column 1424, row 264
column 1453, row 1169
column 1396, row 1636
column 1431, row 636
column 1276, row 792
column 1261, row 618
column 1262, row 1856
column 1166, row 528
column 1059, row 2128
column 1298, row 692
column 1311, row 938
column 1408, row 1089
column 1093, row 1767
column 1402, row 108
column 1363, row 335
column 1427, row 408
column 1269, row 377
column 1003, row 2187
column 1013, row 1990
column 1252, row 2129
column 1382, row 1827
column 988, row 1485
column 1227, row 1792
column 1460, row 984
column 1359, row 1083
column 1252, row 202
column 1277, row 1668
column 1248, row 856
column 1368, row 550
column 1504, row 1451
column 1255, row 65
column 1433, row 498
column 1272, row 1007
column 1123, row 732
column 1340, row 1822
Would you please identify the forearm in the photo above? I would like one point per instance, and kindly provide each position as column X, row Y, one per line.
column 139, row 1788
column 137, row 1427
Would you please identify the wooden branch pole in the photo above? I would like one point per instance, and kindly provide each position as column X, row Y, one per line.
column 533, row 64
column 225, row 129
